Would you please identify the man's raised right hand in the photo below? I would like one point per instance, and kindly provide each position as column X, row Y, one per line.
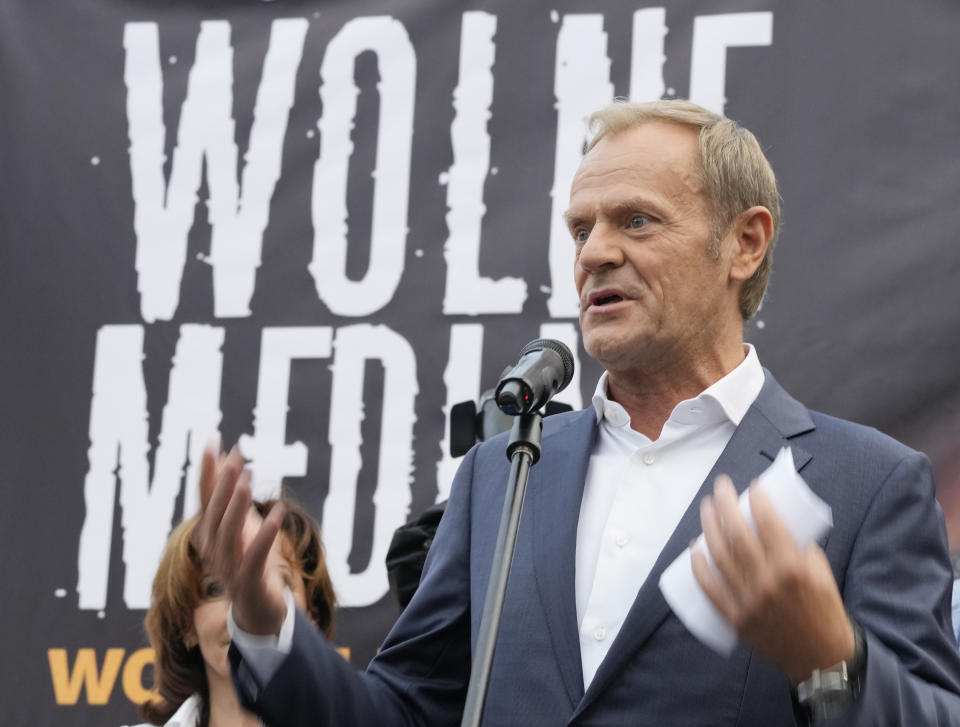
column 233, row 542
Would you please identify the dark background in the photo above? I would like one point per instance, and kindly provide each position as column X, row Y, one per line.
column 857, row 105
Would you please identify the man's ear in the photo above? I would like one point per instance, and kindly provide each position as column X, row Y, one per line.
column 751, row 233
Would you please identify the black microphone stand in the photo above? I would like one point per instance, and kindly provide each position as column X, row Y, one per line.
column 523, row 451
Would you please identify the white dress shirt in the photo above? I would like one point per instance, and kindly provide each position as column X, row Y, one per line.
column 263, row 654
column 636, row 492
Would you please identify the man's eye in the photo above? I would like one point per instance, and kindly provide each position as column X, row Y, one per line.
column 581, row 235
column 638, row 221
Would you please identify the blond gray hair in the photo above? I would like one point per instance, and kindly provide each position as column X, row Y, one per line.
column 732, row 167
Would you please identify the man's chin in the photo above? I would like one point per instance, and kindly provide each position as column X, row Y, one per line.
column 608, row 348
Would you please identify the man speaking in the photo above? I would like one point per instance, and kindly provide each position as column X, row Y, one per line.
column 673, row 217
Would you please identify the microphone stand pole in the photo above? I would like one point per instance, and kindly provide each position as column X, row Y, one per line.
column 523, row 451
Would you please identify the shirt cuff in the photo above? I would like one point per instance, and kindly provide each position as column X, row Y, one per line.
column 264, row 653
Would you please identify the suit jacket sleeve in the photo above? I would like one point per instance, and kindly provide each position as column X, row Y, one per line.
column 898, row 587
column 420, row 675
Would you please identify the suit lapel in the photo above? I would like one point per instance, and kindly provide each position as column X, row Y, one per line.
column 772, row 419
column 554, row 496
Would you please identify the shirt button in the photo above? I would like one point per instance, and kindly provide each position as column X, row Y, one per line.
column 649, row 458
column 621, row 540
column 610, row 414
column 599, row 633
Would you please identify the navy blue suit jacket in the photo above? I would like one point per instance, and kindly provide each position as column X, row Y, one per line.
column 888, row 551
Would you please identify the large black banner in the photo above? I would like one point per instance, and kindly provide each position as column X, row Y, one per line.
column 315, row 226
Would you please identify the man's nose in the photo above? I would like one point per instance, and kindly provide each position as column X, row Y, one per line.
column 602, row 249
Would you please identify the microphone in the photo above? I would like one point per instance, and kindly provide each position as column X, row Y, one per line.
column 544, row 369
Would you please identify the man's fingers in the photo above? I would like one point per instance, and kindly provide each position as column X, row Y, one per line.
column 716, row 590
column 745, row 550
column 222, row 493
column 253, row 567
column 258, row 605
column 208, row 473
column 735, row 550
column 229, row 542
column 719, row 545
column 712, row 530
column 774, row 536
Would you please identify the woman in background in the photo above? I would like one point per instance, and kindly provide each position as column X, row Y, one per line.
column 187, row 621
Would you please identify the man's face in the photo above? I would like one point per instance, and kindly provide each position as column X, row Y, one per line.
column 650, row 289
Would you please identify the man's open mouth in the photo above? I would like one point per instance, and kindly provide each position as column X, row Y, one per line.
column 606, row 297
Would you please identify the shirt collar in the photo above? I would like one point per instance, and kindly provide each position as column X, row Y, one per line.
column 729, row 397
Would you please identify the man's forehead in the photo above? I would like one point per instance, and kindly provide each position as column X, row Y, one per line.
column 650, row 144
column 651, row 160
